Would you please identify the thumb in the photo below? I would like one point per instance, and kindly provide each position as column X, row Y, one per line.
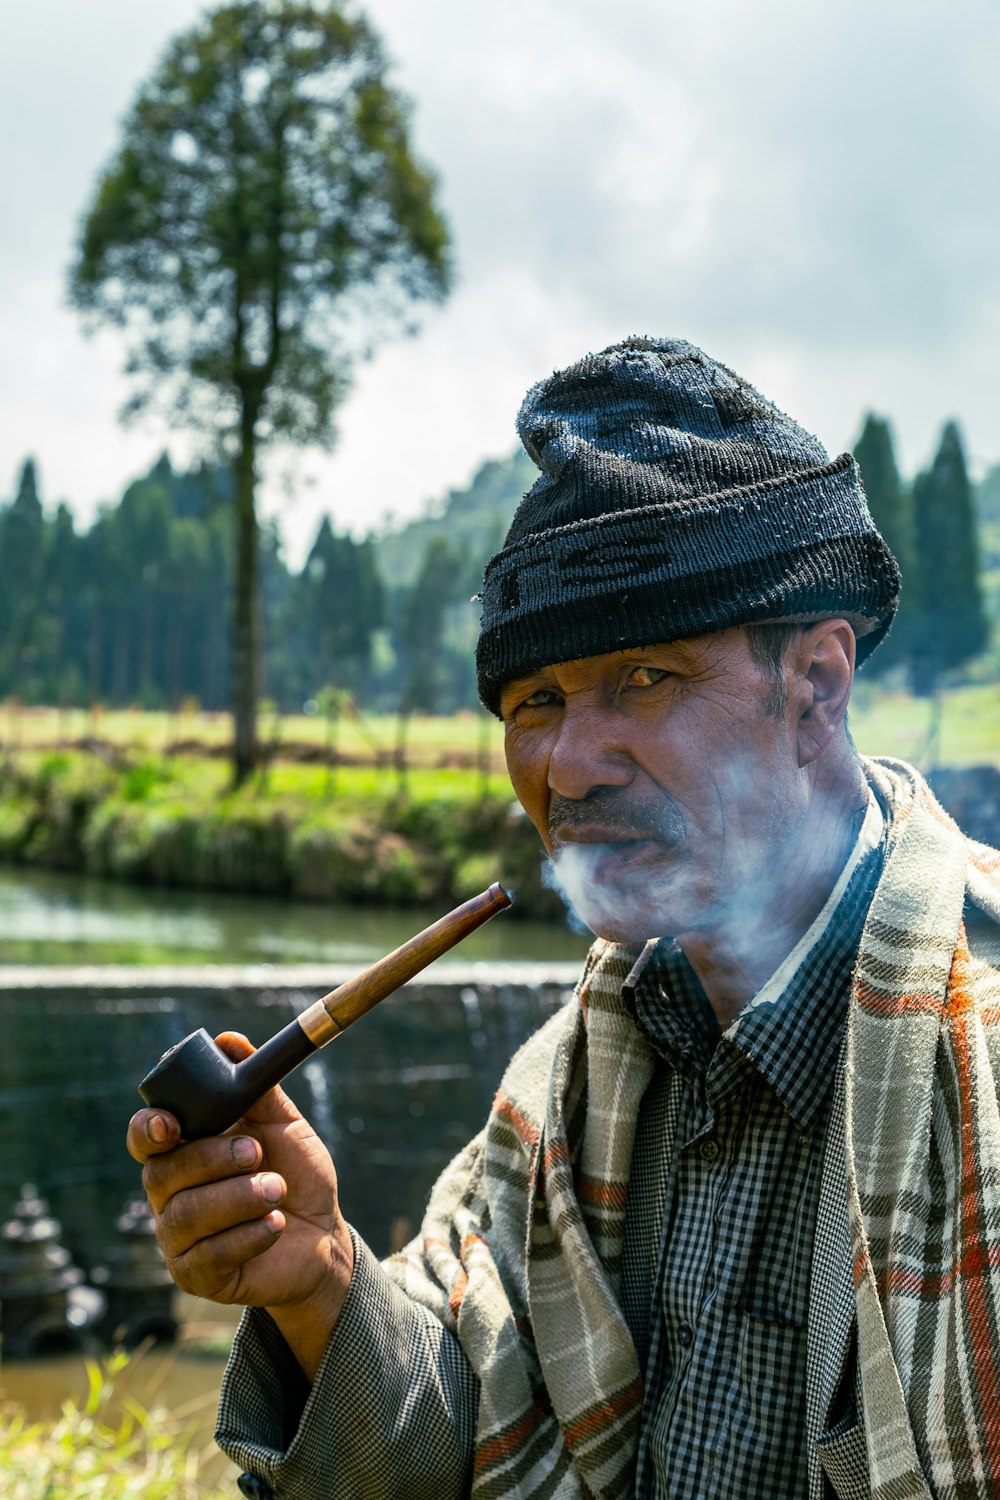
column 272, row 1108
column 235, row 1045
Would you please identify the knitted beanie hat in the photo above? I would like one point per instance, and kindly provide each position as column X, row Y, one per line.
column 673, row 500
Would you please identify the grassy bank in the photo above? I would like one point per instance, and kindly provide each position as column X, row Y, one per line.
column 172, row 821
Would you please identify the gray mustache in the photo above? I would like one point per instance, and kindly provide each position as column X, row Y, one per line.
column 609, row 807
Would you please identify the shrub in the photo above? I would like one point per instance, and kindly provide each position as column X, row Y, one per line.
column 116, row 840
column 139, row 781
column 327, row 857
column 474, row 875
column 18, row 816
column 397, row 874
column 243, row 850
column 66, row 789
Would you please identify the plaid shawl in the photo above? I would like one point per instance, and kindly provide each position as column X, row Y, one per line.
column 520, row 1252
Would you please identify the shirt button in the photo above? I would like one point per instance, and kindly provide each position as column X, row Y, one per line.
column 709, row 1150
column 685, row 1335
column 254, row 1488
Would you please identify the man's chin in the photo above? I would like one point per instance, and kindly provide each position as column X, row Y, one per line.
column 632, row 929
column 617, row 897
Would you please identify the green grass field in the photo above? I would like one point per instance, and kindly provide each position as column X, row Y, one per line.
column 465, row 738
column 449, row 753
column 895, row 723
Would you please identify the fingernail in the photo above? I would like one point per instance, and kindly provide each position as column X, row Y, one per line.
column 271, row 1187
column 156, row 1129
column 244, row 1151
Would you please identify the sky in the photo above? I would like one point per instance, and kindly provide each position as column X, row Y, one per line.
column 807, row 192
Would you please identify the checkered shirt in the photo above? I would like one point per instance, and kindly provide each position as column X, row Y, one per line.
column 722, row 1212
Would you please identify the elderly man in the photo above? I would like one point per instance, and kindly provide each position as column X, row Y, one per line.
column 733, row 1226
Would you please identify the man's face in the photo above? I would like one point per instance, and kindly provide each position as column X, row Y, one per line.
column 661, row 786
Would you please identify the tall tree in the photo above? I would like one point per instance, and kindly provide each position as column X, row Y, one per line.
column 264, row 203
column 890, row 502
column 952, row 624
column 424, row 620
column 64, row 681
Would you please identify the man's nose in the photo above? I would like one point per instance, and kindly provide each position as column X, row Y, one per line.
column 588, row 753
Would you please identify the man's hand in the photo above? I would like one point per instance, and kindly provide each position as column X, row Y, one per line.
column 251, row 1217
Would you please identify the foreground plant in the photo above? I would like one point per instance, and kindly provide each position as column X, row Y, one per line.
column 92, row 1452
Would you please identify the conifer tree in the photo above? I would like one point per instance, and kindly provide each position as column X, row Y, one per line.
column 951, row 625
column 22, row 565
column 424, row 622
column 344, row 601
column 890, row 503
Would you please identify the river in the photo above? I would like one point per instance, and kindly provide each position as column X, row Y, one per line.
column 53, row 918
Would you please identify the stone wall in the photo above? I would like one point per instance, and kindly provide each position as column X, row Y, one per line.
column 395, row 1097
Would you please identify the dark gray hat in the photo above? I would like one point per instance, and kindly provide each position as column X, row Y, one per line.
column 673, row 500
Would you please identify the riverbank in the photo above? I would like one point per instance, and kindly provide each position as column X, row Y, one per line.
column 170, row 821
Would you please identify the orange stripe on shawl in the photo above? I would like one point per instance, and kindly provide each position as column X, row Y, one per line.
column 608, row 1412
column 506, row 1110
column 509, row 1442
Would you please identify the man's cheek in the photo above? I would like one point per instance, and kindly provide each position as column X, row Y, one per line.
column 534, row 801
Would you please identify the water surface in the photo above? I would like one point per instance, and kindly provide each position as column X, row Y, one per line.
column 55, row 918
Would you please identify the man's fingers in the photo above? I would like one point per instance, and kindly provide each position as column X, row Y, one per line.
column 151, row 1132
column 200, row 1213
column 212, row 1267
column 235, row 1045
column 212, row 1160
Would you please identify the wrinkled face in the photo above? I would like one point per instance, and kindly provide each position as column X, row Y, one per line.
column 663, row 789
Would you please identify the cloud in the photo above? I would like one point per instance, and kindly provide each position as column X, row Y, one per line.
column 812, row 173
column 805, row 190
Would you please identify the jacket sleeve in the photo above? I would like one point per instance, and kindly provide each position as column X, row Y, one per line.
column 391, row 1414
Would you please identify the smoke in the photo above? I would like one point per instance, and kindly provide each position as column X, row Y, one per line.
column 601, row 869
column 738, row 889
column 564, row 881
column 738, row 864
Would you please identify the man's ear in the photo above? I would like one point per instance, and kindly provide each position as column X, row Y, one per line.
column 823, row 659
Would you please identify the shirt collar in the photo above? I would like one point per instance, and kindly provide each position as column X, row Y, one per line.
column 868, row 839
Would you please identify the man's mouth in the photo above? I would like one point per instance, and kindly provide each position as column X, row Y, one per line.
column 597, row 833
column 607, row 856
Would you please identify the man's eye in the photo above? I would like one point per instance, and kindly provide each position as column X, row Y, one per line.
column 643, row 677
column 540, row 698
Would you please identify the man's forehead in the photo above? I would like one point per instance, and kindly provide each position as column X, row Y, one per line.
column 686, row 650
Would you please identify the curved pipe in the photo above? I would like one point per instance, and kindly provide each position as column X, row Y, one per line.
column 208, row 1092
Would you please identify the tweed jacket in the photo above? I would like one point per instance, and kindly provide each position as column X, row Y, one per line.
column 519, row 1257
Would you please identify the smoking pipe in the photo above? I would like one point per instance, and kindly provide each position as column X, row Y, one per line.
column 207, row 1092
